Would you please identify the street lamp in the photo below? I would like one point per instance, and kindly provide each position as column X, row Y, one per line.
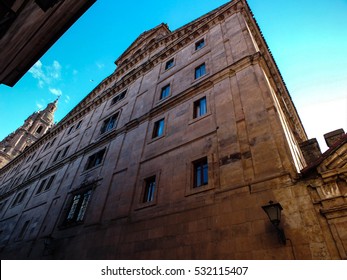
column 273, row 211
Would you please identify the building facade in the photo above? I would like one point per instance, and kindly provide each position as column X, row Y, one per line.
column 173, row 156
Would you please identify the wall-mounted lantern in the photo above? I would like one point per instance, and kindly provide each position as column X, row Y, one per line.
column 273, row 211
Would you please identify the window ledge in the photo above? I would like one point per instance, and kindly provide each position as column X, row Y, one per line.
column 199, row 118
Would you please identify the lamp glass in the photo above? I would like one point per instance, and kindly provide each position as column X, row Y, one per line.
column 273, row 210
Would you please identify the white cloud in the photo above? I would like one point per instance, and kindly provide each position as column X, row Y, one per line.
column 46, row 74
column 56, row 91
column 67, row 99
column 39, row 105
column 100, row 65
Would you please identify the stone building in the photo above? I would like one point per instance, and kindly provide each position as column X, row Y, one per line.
column 174, row 155
column 34, row 127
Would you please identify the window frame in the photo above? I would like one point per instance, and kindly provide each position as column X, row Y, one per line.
column 120, row 96
column 149, row 189
column 45, row 184
column 105, row 127
column 165, row 92
column 197, row 108
column 158, row 128
column 19, row 198
column 200, row 171
column 94, row 161
column 200, row 71
column 200, row 44
column 169, row 63
column 77, row 207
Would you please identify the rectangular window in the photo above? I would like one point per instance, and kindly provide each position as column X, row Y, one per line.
column 200, row 172
column 46, row 147
column 23, row 230
column 109, row 124
column 57, row 156
column 149, row 189
column 78, row 207
column 165, row 91
column 200, row 107
column 169, row 64
column 200, row 71
column 158, row 129
column 70, row 130
column 95, row 159
column 118, row 97
column 65, row 151
column 78, row 125
column 19, row 198
column 45, row 184
column 199, row 44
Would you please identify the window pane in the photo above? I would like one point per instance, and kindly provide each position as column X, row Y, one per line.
column 149, row 189
column 84, row 205
column 200, row 71
column 73, row 207
column 41, row 186
column 200, row 173
column 165, row 92
column 199, row 44
column 203, row 107
column 200, row 107
column 169, row 64
column 158, row 128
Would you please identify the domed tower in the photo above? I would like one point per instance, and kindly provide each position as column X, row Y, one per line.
column 33, row 128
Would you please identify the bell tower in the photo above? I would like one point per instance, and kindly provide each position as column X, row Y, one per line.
column 35, row 126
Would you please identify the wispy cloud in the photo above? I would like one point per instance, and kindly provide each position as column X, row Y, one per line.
column 100, row 65
column 56, row 91
column 67, row 99
column 46, row 74
column 39, row 105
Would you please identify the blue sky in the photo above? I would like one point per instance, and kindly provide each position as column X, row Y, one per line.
column 308, row 40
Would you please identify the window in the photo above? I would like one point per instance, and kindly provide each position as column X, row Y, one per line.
column 23, row 230
column 39, row 129
column 149, row 189
column 199, row 44
column 95, row 159
column 53, row 141
column 36, row 169
column 46, row 146
column 78, row 125
column 57, row 156
column 165, row 91
column 200, row 71
column 108, row 124
column 19, row 198
column 158, row 129
column 118, row 97
column 200, row 172
column 70, row 130
column 78, row 207
column 45, row 184
column 65, row 151
column 169, row 64
column 200, row 107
